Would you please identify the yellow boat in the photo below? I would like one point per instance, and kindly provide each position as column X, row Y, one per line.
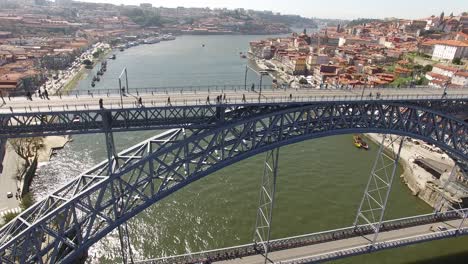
column 357, row 141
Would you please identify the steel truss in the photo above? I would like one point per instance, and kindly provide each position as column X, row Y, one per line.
column 37, row 123
column 267, row 200
column 374, row 201
column 62, row 226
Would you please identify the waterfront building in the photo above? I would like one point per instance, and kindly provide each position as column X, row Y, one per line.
column 460, row 78
column 450, row 49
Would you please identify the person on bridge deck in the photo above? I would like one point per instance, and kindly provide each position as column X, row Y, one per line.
column 123, row 91
column 101, row 103
column 243, row 98
column 46, row 94
column 168, row 100
column 370, row 94
column 290, row 96
column 140, row 102
column 208, row 99
column 224, row 98
column 28, row 95
column 39, row 93
column 253, row 87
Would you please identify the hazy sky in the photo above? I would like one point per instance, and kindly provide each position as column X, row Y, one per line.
column 323, row 8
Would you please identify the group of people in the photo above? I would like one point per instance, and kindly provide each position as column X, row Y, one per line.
column 42, row 95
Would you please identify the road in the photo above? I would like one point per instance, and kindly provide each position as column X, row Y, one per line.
column 318, row 249
column 113, row 101
column 11, row 163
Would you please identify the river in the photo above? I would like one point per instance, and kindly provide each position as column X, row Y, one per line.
column 320, row 181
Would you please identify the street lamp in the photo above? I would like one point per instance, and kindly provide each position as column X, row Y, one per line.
column 262, row 73
column 121, row 91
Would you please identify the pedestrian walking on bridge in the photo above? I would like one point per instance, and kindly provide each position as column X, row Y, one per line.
column 46, row 94
column 101, row 103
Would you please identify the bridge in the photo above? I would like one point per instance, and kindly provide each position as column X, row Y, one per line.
column 207, row 130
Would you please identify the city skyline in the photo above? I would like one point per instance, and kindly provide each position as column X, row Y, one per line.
column 311, row 8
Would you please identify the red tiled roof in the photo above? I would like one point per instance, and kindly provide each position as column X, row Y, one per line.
column 437, row 76
column 462, row 73
column 447, row 68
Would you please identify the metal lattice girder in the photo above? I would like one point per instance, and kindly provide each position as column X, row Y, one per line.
column 374, row 201
column 70, row 220
column 266, row 202
column 37, row 123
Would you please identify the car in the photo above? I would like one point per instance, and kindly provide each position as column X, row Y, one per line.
column 76, row 119
column 438, row 228
column 9, row 195
column 441, row 228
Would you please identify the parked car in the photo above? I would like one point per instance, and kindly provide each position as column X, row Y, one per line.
column 9, row 195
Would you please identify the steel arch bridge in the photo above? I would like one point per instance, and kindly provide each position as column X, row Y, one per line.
column 61, row 227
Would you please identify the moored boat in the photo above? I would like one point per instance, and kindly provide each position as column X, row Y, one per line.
column 357, row 141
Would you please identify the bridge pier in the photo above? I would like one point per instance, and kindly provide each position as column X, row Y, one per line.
column 262, row 231
column 374, row 201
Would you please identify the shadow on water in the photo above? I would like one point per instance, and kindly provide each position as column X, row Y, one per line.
column 456, row 258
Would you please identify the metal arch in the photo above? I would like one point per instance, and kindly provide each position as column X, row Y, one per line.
column 83, row 211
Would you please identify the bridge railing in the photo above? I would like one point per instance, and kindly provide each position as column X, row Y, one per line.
column 304, row 240
column 222, row 88
column 378, row 246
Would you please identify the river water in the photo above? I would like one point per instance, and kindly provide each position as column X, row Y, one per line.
column 319, row 187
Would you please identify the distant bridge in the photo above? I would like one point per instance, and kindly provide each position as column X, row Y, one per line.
column 204, row 136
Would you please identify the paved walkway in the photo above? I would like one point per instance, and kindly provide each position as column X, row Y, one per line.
column 84, row 102
column 323, row 248
column 11, row 163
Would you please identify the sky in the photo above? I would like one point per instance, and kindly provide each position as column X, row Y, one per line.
column 345, row 9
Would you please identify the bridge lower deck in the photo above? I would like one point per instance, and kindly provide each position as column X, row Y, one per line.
column 301, row 254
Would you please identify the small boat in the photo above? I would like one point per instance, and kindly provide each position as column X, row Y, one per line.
column 122, row 49
column 98, row 79
column 94, row 78
column 243, row 56
column 364, row 145
column 93, row 84
column 203, row 45
column 357, row 141
column 113, row 57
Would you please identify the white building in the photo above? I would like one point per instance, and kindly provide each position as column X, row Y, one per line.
column 444, row 70
column 450, row 49
column 460, row 78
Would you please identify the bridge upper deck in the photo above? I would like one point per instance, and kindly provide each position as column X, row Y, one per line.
column 159, row 98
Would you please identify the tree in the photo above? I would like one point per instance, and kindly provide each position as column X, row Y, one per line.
column 427, row 68
column 87, row 62
column 457, row 61
column 26, row 201
column 8, row 217
column 27, row 148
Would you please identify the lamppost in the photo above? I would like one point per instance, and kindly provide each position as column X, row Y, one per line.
column 121, row 91
column 262, row 73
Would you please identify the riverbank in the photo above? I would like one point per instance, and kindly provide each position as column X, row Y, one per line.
column 420, row 181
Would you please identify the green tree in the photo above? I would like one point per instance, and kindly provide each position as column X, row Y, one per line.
column 9, row 216
column 427, row 68
column 87, row 62
column 26, row 201
column 457, row 61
